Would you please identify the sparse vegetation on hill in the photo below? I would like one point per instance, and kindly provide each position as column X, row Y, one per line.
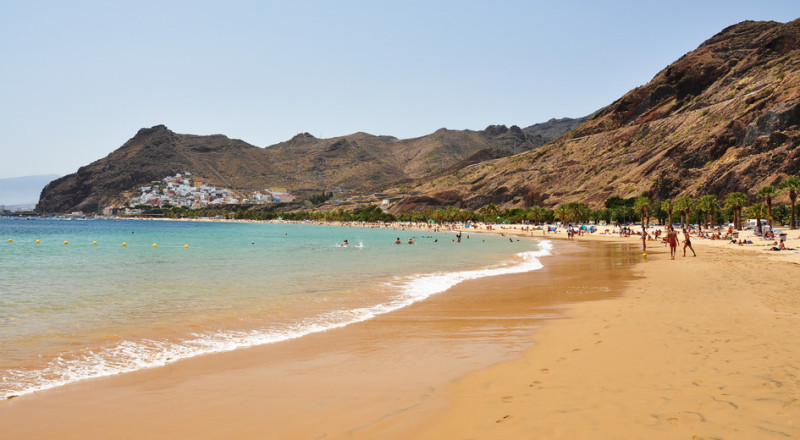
column 723, row 119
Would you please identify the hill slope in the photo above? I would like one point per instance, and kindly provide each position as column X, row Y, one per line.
column 354, row 164
column 725, row 117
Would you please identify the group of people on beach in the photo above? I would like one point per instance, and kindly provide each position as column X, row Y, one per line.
column 672, row 240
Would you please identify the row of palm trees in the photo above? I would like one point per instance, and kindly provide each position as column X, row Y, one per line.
column 708, row 206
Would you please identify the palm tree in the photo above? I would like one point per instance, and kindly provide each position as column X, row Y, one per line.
column 536, row 213
column 768, row 192
column 668, row 206
column 642, row 206
column 792, row 185
column 490, row 212
column 709, row 206
column 562, row 212
column 736, row 201
column 757, row 211
column 684, row 205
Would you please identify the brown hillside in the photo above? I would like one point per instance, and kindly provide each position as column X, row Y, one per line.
column 355, row 164
column 725, row 117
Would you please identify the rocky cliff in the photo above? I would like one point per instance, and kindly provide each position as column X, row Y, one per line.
column 725, row 117
column 355, row 164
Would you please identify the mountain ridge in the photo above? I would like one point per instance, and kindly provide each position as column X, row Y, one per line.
column 353, row 164
column 722, row 118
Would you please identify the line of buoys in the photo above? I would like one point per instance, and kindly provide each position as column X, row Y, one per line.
column 94, row 243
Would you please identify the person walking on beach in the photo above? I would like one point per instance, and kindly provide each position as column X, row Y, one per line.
column 687, row 242
column 672, row 239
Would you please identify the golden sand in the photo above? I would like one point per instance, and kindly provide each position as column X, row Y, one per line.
column 694, row 348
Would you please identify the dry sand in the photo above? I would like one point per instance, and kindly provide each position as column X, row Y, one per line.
column 695, row 348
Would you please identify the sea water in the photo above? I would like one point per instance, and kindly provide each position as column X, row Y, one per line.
column 90, row 298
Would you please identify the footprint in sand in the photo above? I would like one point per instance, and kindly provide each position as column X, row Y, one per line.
column 504, row 419
column 598, row 342
column 507, row 399
column 672, row 421
column 545, row 370
column 576, row 350
column 535, row 383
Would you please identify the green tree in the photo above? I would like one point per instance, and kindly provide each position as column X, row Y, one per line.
column 642, row 206
column 489, row 213
column 736, row 201
column 757, row 211
column 781, row 213
column 562, row 213
column 709, row 206
column 768, row 192
column 684, row 205
column 536, row 214
column 791, row 185
column 668, row 206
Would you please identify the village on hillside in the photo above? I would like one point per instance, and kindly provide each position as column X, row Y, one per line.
column 184, row 191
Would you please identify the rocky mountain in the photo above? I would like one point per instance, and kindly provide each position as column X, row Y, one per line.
column 356, row 164
column 545, row 132
column 724, row 117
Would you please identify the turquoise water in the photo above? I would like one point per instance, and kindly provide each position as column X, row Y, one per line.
column 80, row 310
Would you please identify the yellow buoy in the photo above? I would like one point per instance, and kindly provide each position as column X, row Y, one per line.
column 154, row 245
column 186, row 246
column 10, row 240
column 66, row 242
column 644, row 254
column 37, row 242
column 124, row 244
column 94, row 243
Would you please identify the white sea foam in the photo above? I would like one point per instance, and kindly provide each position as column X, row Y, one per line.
column 132, row 356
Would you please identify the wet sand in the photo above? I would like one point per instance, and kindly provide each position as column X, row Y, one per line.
column 697, row 348
column 374, row 379
column 601, row 343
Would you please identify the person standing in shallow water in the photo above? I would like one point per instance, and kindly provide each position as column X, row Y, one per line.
column 687, row 242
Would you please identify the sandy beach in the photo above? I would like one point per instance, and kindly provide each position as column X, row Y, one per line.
column 601, row 343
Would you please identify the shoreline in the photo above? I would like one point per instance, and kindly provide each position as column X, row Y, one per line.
column 697, row 348
column 392, row 365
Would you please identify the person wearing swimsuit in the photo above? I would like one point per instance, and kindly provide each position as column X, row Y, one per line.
column 672, row 238
column 687, row 242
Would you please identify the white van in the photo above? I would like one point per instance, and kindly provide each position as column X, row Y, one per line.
column 751, row 223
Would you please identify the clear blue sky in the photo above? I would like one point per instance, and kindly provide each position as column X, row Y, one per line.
column 79, row 78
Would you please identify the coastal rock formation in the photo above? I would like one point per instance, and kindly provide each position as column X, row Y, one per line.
column 724, row 117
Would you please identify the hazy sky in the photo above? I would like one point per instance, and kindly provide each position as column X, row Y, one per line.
column 79, row 78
